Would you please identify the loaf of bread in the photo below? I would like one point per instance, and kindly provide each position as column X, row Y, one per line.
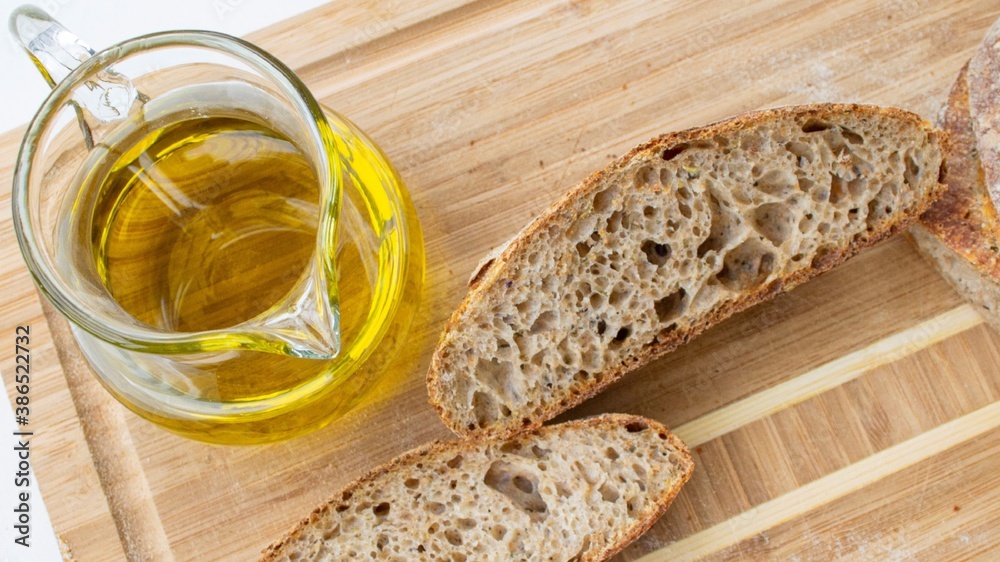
column 960, row 233
column 672, row 238
column 577, row 491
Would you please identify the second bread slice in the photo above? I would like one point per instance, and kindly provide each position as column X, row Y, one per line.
column 676, row 236
column 577, row 491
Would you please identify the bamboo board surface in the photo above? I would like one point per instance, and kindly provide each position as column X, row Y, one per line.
column 854, row 417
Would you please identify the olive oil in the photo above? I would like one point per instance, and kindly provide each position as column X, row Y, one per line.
column 205, row 223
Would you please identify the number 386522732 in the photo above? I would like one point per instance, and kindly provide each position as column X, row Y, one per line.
column 22, row 372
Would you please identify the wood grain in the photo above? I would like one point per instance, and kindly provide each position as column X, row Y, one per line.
column 854, row 417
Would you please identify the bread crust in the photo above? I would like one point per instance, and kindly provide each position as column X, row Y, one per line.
column 451, row 447
column 499, row 268
column 964, row 218
column 984, row 107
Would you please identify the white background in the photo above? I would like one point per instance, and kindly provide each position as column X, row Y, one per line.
column 100, row 24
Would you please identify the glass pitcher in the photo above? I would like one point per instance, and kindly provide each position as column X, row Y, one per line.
column 237, row 263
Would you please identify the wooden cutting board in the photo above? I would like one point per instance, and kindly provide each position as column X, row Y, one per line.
column 856, row 417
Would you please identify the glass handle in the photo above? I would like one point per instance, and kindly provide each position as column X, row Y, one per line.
column 56, row 51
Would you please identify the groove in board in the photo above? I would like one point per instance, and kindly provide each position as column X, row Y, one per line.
column 953, row 516
column 828, row 376
column 833, row 486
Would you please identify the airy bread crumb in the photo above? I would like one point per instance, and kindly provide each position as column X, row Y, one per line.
column 577, row 491
column 676, row 236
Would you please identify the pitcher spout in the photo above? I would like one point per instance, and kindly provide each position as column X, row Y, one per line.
column 308, row 322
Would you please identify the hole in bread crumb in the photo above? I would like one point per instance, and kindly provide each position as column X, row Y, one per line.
column 498, row 532
column 857, row 186
column 381, row 510
column 838, row 188
column 670, row 306
column 484, row 407
column 546, row 321
column 636, row 426
column 641, row 474
column 519, row 486
column 774, row 222
column 778, row 183
column 604, row 200
column 602, row 327
column 803, row 152
column 881, row 206
column 723, row 225
column 648, row 211
column 510, row 447
column 615, row 221
column 746, row 266
column 608, row 492
column 523, row 484
column 623, row 334
column 619, row 295
column 912, row 172
column 666, row 176
column 453, row 536
column 684, row 209
column 611, row 453
column 411, row 483
column 437, row 508
column 331, row 533
column 815, row 126
column 645, row 176
column 656, row 253
column 851, row 136
column 456, row 462
column 806, row 223
column 671, row 153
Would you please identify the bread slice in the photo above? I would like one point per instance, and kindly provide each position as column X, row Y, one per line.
column 577, row 491
column 960, row 233
column 672, row 238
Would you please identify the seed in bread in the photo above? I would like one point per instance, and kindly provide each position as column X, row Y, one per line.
column 577, row 491
column 674, row 237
